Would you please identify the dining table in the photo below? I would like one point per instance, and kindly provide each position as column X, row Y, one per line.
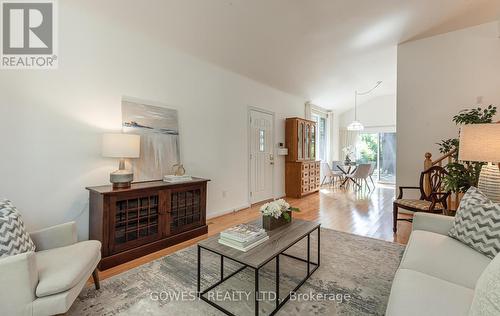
column 347, row 169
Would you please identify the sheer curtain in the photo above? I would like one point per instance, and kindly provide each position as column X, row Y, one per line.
column 348, row 138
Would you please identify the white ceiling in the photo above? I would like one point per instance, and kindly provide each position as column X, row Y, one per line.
column 321, row 50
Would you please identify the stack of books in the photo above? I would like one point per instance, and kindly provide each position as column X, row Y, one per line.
column 172, row 178
column 243, row 237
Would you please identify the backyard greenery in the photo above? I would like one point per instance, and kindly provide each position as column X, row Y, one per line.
column 369, row 148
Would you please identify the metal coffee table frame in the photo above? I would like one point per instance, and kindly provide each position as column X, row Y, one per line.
column 279, row 303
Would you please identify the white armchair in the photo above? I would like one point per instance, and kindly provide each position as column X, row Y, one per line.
column 46, row 282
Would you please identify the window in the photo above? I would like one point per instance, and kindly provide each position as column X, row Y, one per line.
column 320, row 140
column 261, row 140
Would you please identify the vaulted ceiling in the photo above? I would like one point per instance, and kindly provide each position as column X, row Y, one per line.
column 321, row 50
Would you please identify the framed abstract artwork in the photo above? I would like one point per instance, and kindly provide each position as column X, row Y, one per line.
column 158, row 127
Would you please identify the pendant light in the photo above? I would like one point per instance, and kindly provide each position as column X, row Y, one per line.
column 357, row 125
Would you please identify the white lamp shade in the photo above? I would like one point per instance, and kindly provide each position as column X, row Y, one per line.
column 121, row 145
column 480, row 142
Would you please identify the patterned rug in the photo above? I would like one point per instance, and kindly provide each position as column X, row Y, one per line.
column 354, row 278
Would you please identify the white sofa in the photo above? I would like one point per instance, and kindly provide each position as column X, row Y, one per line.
column 438, row 274
column 46, row 282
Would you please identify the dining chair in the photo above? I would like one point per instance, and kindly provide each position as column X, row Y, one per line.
column 372, row 170
column 359, row 175
column 337, row 173
column 327, row 173
column 336, row 164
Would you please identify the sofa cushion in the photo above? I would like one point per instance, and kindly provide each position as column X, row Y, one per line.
column 14, row 239
column 486, row 300
column 443, row 257
column 60, row 269
column 416, row 293
column 477, row 223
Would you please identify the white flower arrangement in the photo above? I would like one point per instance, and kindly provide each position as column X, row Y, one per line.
column 348, row 152
column 277, row 209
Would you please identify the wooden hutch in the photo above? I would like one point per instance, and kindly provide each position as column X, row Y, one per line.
column 146, row 217
column 302, row 171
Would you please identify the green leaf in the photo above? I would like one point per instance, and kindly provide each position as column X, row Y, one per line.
column 286, row 216
column 294, row 209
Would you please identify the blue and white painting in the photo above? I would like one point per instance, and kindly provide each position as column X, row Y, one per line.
column 159, row 130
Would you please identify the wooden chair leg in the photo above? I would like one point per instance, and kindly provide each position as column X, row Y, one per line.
column 395, row 218
column 95, row 276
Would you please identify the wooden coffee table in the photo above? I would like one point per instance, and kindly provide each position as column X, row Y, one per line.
column 280, row 239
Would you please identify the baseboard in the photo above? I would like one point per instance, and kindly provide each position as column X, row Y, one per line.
column 219, row 213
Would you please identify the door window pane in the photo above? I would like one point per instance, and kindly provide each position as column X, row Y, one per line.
column 262, row 140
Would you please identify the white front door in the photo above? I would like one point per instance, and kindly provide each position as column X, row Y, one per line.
column 261, row 156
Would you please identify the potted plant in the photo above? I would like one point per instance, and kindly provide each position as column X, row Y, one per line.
column 276, row 214
column 464, row 174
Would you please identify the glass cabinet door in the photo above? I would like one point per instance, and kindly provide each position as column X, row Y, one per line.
column 312, row 151
column 300, row 140
column 306, row 140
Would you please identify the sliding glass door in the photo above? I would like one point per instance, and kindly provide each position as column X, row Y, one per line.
column 387, row 158
column 378, row 149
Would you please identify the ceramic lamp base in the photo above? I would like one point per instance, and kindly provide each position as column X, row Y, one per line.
column 121, row 178
column 489, row 182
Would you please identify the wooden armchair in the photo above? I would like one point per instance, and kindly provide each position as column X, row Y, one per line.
column 432, row 202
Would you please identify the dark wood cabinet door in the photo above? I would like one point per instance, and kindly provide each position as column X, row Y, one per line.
column 186, row 208
column 134, row 220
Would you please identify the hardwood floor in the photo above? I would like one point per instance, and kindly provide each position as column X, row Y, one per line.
column 362, row 213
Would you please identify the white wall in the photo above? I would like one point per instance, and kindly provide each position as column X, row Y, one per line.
column 335, row 153
column 377, row 114
column 51, row 121
column 438, row 77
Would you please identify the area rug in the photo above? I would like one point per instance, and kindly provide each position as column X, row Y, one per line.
column 354, row 278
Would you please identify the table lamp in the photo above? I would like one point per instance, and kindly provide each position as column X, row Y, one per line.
column 481, row 143
column 121, row 146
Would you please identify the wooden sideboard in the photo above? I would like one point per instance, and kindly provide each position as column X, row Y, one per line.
column 146, row 217
column 302, row 171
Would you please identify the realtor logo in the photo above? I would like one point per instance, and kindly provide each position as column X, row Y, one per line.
column 28, row 35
